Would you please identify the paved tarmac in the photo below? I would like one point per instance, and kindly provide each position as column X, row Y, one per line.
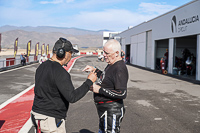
column 16, row 80
column 155, row 103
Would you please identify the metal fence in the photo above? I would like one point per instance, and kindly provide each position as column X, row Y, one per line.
column 6, row 62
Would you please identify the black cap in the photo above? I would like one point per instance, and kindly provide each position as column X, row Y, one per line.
column 65, row 44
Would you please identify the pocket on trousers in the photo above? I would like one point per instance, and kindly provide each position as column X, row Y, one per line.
column 43, row 122
column 52, row 124
column 47, row 124
column 44, row 125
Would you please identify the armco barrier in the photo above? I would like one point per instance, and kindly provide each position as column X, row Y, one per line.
column 95, row 53
column 7, row 62
column 88, row 53
column 82, row 53
column 10, row 63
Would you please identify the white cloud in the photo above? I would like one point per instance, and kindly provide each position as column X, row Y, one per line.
column 69, row 1
column 91, row 4
column 15, row 4
column 111, row 19
column 117, row 19
column 155, row 8
column 56, row 1
column 52, row 2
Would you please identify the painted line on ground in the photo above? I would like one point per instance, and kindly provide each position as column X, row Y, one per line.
column 15, row 69
column 15, row 97
column 15, row 114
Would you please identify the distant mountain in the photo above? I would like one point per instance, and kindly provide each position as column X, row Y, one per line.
column 49, row 35
column 47, row 29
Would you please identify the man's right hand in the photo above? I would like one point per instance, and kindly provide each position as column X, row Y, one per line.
column 92, row 76
column 89, row 68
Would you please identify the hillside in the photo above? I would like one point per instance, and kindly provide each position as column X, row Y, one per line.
column 48, row 35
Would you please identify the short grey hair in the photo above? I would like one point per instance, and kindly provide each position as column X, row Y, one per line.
column 114, row 44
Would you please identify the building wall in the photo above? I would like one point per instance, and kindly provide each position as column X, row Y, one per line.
column 123, row 46
column 108, row 35
column 198, row 58
column 180, row 22
column 162, row 26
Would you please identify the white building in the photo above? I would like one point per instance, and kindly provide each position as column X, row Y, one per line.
column 108, row 35
column 175, row 30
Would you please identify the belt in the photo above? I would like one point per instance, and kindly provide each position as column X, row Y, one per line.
column 107, row 101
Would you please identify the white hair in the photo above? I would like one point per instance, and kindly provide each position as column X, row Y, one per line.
column 114, row 44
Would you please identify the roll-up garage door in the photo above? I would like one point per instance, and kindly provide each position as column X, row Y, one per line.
column 138, row 49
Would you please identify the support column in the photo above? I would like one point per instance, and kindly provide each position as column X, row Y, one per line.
column 153, row 58
column 170, row 56
column 198, row 59
column 0, row 42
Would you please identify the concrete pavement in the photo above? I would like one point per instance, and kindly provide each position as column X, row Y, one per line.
column 160, row 104
column 155, row 103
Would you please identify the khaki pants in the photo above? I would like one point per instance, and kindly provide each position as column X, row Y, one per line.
column 48, row 124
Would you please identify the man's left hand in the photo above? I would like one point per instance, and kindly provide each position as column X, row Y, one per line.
column 96, row 88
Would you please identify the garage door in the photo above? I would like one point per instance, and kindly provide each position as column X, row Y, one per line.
column 138, row 49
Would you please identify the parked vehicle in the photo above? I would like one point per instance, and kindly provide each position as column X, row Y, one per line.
column 190, row 65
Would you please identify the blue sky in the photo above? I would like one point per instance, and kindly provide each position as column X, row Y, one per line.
column 115, row 15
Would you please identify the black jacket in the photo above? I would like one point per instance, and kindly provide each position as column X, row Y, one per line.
column 113, row 81
column 54, row 90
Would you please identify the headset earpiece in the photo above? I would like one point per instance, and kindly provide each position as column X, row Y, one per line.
column 61, row 53
column 122, row 54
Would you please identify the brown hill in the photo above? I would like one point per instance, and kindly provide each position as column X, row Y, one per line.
column 8, row 38
column 49, row 35
column 48, row 29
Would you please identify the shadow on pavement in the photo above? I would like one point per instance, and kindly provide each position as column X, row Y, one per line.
column 84, row 131
column 1, row 123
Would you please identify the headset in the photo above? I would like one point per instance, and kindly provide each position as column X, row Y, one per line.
column 122, row 54
column 61, row 51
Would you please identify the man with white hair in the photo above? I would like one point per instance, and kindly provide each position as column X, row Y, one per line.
column 111, row 88
column 43, row 58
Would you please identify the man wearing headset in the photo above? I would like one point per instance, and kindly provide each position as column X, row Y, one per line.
column 54, row 90
column 111, row 88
